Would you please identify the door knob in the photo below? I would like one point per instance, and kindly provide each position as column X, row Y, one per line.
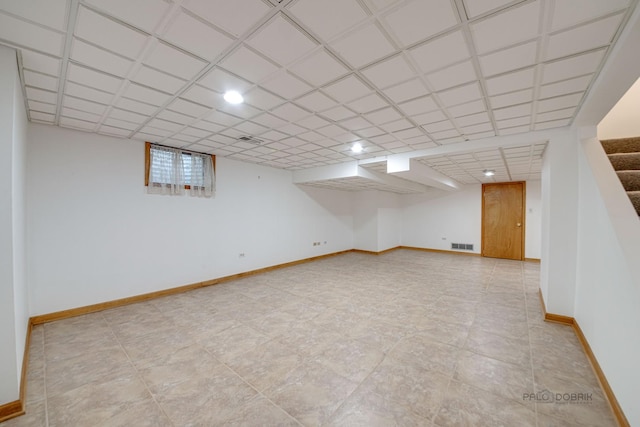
column 519, row 224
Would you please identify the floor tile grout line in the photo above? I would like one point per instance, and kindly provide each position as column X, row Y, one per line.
column 133, row 365
column 252, row 386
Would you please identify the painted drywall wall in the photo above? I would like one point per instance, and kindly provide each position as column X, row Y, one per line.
column 365, row 220
column 436, row 219
column 559, row 228
column 95, row 235
column 389, row 221
column 607, row 295
column 13, row 282
column 623, row 121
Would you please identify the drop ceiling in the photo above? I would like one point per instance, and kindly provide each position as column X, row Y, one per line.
column 317, row 75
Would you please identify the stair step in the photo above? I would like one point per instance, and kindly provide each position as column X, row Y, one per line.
column 622, row 145
column 625, row 161
column 635, row 199
column 630, row 180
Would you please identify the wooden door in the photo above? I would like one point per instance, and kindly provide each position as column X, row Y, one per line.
column 503, row 220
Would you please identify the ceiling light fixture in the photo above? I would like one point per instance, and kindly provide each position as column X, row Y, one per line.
column 357, row 147
column 233, row 97
column 489, row 172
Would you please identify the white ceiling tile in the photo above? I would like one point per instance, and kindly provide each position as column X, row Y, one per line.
column 222, row 81
column 222, row 118
column 460, row 94
column 509, row 123
column 155, row 132
column 315, row 137
column 290, row 112
column 51, row 13
column 30, row 35
column 520, row 23
column 363, row 46
column 250, row 128
column 165, row 125
column 512, row 98
column 225, row 14
column 396, row 125
column 579, row 84
column 156, row 79
column 585, row 37
column 480, row 135
column 100, row 59
column 145, row 94
column 196, row 37
column 172, row 116
column 472, row 119
column 347, row 89
column 434, row 116
column 338, row 113
column 286, row 85
column 510, row 112
column 203, row 96
column 132, row 105
column 42, row 107
column 384, row 115
column 331, row 131
column 515, row 130
column 389, row 71
column 452, row 76
column 80, row 115
column 109, row 34
column 438, row 126
column 292, row 129
column 513, row 81
column 249, row 65
column 76, row 124
column 274, row 135
column 570, row 12
column 125, row 116
column 418, row 20
column 367, row 103
column 559, row 102
column 173, row 61
column 552, row 124
column 468, row 108
column 269, row 120
column 418, row 106
column 91, row 78
column 187, row 108
column 520, row 56
column 144, row 14
column 205, row 125
column 114, row 131
column 479, row 128
column 478, row 7
column 572, row 67
column 370, row 132
column 281, row 41
column 355, row 123
column 262, row 99
column 407, row 90
column 41, row 81
column 445, row 135
column 38, row 62
column 241, row 110
column 408, row 133
column 42, row 117
column 312, row 122
column 319, row 68
column 565, row 113
column 82, row 105
column 316, row 101
column 329, row 17
column 440, row 52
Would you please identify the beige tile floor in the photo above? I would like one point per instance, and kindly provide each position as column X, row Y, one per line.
column 406, row 338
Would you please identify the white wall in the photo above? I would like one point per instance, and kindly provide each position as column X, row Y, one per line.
column 13, row 280
column 95, row 235
column 623, row 121
column 607, row 294
column 365, row 220
column 389, row 221
column 437, row 218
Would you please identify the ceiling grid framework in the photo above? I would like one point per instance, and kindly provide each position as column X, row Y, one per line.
column 397, row 76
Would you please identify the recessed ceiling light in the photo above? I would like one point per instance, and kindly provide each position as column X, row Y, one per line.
column 233, row 97
column 488, row 172
column 357, row 147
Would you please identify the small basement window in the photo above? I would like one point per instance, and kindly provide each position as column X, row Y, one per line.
column 172, row 171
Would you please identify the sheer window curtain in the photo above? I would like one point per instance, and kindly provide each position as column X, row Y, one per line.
column 171, row 169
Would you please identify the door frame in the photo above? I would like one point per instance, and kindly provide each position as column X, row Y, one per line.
column 524, row 214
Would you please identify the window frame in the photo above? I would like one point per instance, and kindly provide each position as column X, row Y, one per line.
column 147, row 161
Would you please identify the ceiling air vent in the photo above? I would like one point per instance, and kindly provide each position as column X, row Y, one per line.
column 251, row 140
